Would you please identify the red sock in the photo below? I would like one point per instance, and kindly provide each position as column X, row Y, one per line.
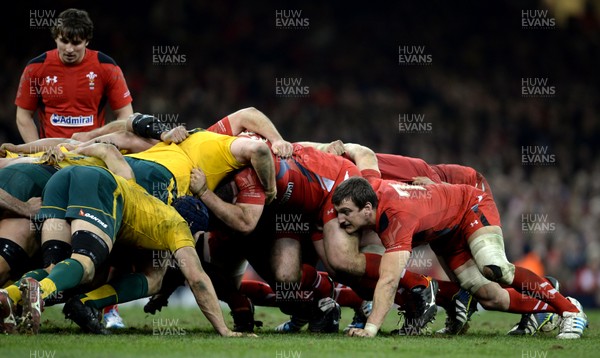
column 238, row 302
column 521, row 303
column 447, row 291
column 260, row 293
column 411, row 280
column 532, row 284
column 346, row 297
column 108, row 308
column 401, row 297
column 372, row 266
column 311, row 280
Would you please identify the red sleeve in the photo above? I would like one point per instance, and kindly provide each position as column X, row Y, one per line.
column 27, row 97
column 221, row 127
column 370, row 173
column 116, row 87
column 398, row 235
column 250, row 189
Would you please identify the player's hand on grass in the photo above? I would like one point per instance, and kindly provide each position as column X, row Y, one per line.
column 359, row 332
column 198, row 184
column 282, row 148
column 175, row 135
column 230, row 333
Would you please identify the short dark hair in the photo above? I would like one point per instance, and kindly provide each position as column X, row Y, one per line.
column 73, row 24
column 358, row 190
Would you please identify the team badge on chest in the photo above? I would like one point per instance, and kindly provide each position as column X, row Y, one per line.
column 91, row 77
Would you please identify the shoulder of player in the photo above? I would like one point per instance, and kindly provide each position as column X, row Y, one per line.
column 38, row 59
column 102, row 58
column 36, row 64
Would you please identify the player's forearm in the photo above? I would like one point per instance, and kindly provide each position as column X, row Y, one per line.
column 117, row 164
column 27, row 127
column 362, row 156
column 7, row 162
column 390, row 271
column 231, row 215
column 251, row 119
column 10, row 203
column 318, row 146
column 111, row 156
column 383, row 299
column 114, row 126
column 124, row 140
column 39, row 145
column 264, row 166
column 206, row 298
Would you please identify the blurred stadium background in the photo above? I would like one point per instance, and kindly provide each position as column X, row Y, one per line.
column 343, row 59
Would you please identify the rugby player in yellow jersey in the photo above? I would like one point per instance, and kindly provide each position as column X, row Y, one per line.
column 215, row 154
column 118, row 209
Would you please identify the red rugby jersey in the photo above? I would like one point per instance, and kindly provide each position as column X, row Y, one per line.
column 401, row 168
column 71, row 99
column 305, row 181
column 410, row 215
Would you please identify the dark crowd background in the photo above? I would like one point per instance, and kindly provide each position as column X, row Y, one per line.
column 348, row 57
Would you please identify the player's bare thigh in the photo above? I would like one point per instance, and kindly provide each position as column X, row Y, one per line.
column 342, row 250
column 20, row 232
column 286, row 260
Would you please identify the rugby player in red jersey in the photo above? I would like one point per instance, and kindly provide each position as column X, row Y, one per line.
column 70, row 86
column 406, row 215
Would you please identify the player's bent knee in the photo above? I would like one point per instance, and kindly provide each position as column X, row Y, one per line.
column 490, row 257
column 54, row 251
column 471, row 279
column 88, row 244
column 15, row 256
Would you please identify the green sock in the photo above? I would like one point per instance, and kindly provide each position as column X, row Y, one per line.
column 119, row 290
column 38, row 275
column 66, row 274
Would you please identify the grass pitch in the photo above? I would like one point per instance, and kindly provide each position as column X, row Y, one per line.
column 184, row 332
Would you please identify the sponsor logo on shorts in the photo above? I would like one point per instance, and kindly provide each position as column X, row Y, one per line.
column 71, row 121
column 90, row 216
